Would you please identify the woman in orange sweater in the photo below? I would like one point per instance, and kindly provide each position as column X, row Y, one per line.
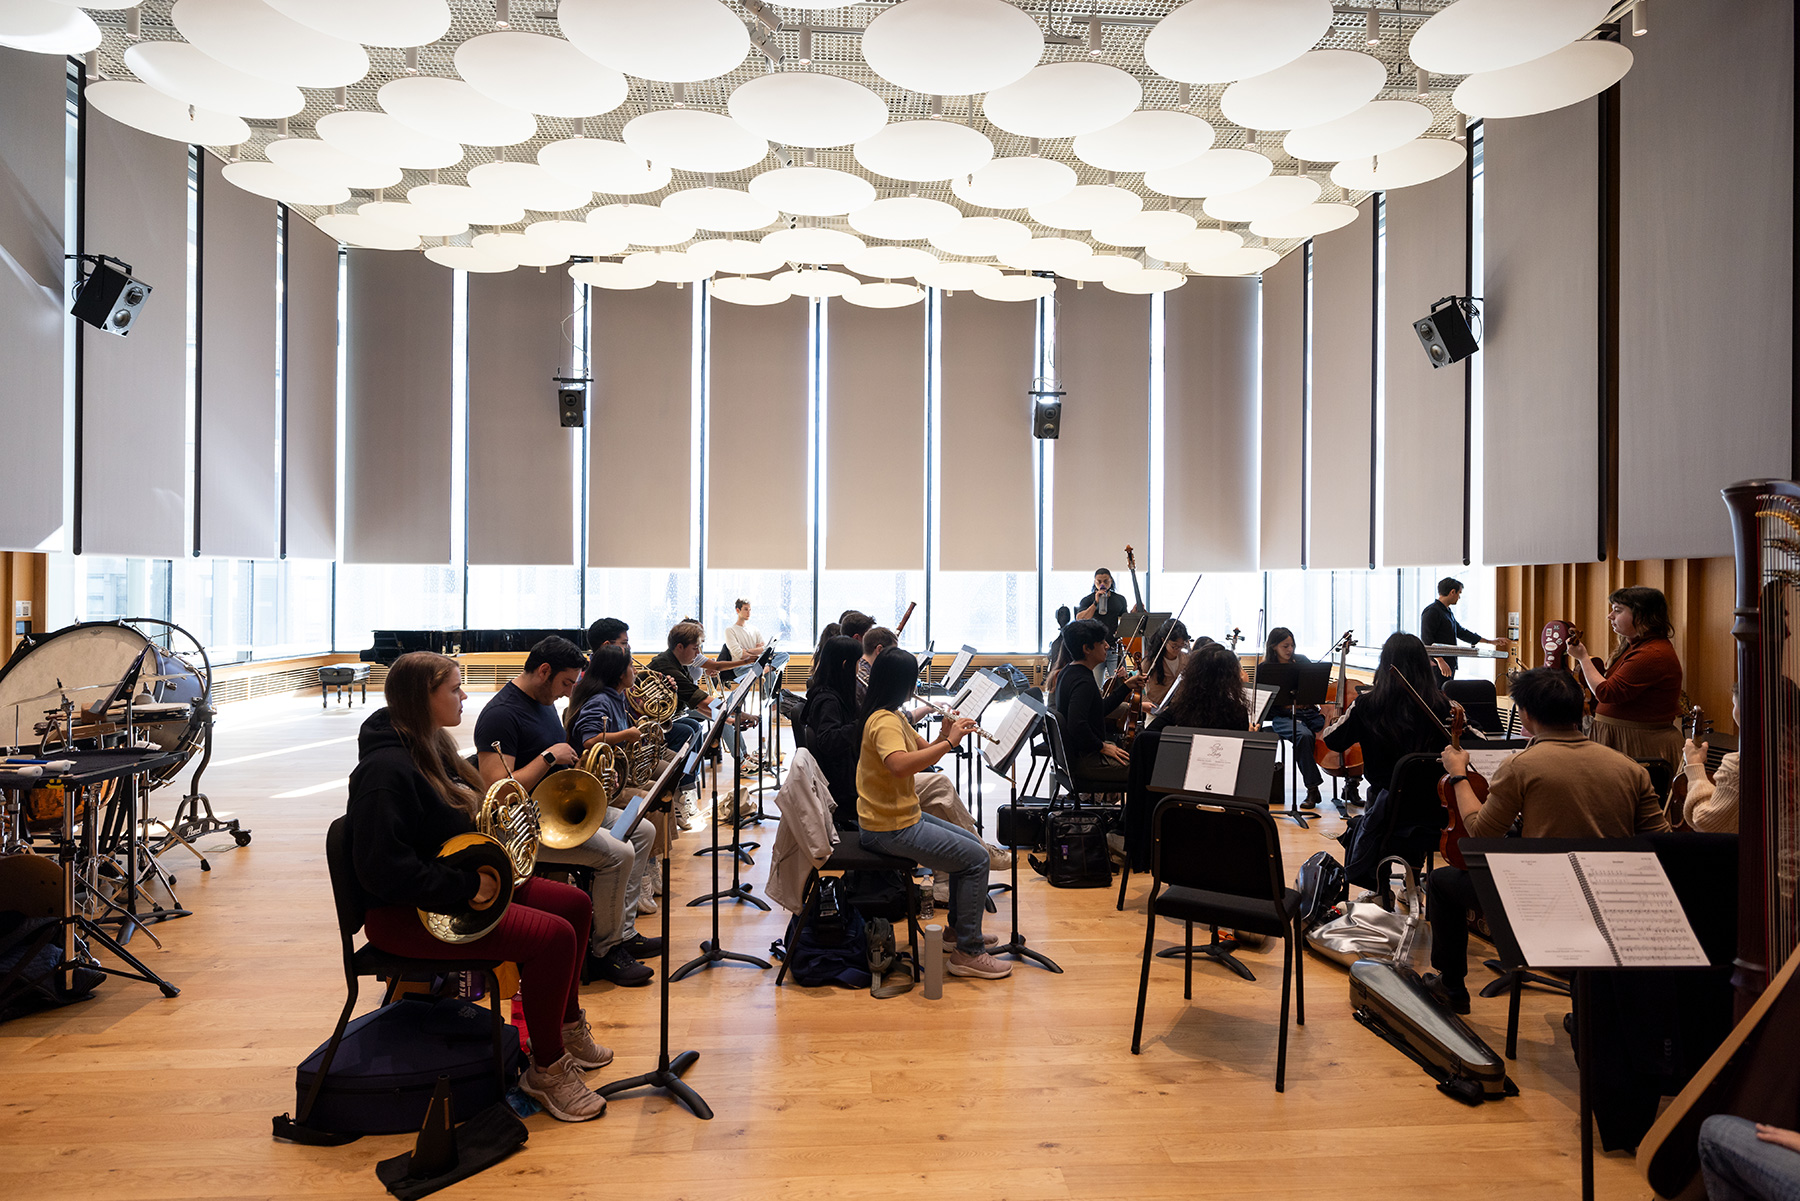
column 1639, row 690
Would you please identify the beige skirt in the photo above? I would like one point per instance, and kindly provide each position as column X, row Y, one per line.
column 1640, row 740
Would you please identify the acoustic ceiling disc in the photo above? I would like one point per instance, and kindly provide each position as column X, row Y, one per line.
column 1317, row 87
column 952, row 47
column 692, row 140
column 390, row 23
column 891, row 262
column 737, row 289
column 527, row 252
column 1402, row 167
column 411, row 217
column 1144, row 283
column 324, row 162
column 1087, row 206
column 530, row 185
column 1045, row 254
column 1146, row 141
column 799, row 108
column 728, row 210
column 266, row 179
column 904, row 218
column 1270, row 198
column 818, row 281
column 735, row 256
column 1100, row 267
column 672, row 41
column 1251, row 260
column 1557, row 80
column 576, row 237
column 959, row 277
column 613, row 276
column 1375, row 128
column 1472, row 36
column 196, row 78
column 1062, row 100
column 46, row 28
column 143, row 107
column 254, row 38
column 1214, row 172
column 1016, row 288
column 642, row 224
column 1304, row 223
column 601, row 165
column 452, row 110
column 1016, row 183
column 539, row 74
column 381, row 139
column 467, row 204
column 467, row 258
column 354, row 229
column 924, row 151
column 1196, row 247
column 813, row 191
column 884, row 295
column 1216, row 41
column 669, row 266
column 977, row 237
column 813, row 245
column 1145, row 228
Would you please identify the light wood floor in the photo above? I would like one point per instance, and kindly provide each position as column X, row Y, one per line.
column 1021, row 1088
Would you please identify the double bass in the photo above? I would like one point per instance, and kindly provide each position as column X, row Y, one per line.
column 1134, row 653
column 1347, row 764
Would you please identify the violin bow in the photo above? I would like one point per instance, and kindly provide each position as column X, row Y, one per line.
column 1169, row 626
column 1429, row 711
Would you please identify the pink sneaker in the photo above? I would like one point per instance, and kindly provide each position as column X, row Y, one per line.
column 982, row 966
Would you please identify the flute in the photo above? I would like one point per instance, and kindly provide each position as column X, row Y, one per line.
column 942, row 711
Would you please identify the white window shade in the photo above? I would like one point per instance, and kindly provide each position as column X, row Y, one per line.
column 1283, row 411
column 1341, row 525
column 758, row 413
column 1103, row 457
column 309, row 467
column 987, row 487
column 875, row 438
column 1210, row 449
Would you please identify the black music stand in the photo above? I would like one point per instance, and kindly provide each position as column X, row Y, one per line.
column 740, row 890
column 1014, row 734
column 1311, row 683
column 768, row 689
column 713, row 951
column 668, row 1071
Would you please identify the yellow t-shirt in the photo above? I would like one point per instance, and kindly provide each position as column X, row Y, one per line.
column 885, row 801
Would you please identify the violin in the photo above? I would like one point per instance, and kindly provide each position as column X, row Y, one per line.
column 1236, row 636
column 1134, row 652
column 1454, row 829
column 1347, row 764
column 1695, row 727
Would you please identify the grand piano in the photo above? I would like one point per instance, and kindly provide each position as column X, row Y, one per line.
column 391, row 644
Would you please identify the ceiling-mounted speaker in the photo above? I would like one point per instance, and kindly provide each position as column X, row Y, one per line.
column 110, row 298
column 572, row 404
column 1446, row 333
column 1046, row 417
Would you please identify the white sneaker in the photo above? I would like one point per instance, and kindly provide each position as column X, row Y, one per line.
column 579, row 1045
column 646, row 898
column 560, row 1090
column 982, row 966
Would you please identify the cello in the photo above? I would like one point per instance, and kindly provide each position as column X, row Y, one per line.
column 1348, row 764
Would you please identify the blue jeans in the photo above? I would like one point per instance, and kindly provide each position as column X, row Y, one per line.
column 682, row 733
column 1300, row 730
column 942, row 847
column 1738, row 1166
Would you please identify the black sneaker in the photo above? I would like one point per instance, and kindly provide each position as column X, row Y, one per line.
column 1454, row 998
column 1311, row 800
column 639, row 947
column 618, row 966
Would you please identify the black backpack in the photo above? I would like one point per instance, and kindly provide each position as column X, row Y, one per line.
column 833, row 948
column 1076, row 854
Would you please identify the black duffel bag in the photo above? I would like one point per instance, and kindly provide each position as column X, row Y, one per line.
column 1076, row 855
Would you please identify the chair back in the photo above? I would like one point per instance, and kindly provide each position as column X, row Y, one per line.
column 342, row 868
column 1480, row 702
column 1218, row 844
column 1060, row 776
column 1662, row 776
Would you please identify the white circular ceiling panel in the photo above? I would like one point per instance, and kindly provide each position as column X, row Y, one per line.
column 539, row 74
column 693, row 140
column 324, row 162
column 466, row 204
column 727, row 210
column 1271, row 198
column 813, row 191
column 952, row 47
column 671, row 41
column 813, row 245
column 467, row 258
column 1251, row 260
column 266, row 179
column 196, row 78
column 1087, row 206
column 1101, row 267
column 413, row 218
column 143, row 107
column 46, row 28
column 1214, row 172
column 601, row 165
column 959, row 277
column 1472, row 36
column 530, row 185
column 1016, row 288
column 576, row 237
column 1146, row 141
column 1375, row 128
column 739, row 290
column 1145, row 228
column 381, row 139
column 1216, row 41
column 614, row 276
column 1063, row 100
column 669, row 266
column 978, row 237
column 453, row 111
column 924, row 151
column 1557, row 80
column 1145, row 283
column 642, row 224
column 1402, row 167
column 254, row 38
column 1319, row 86
column 1045, row 254
column 1304, row 222
column 891, row 262
column 801, row 108
column 1196, row 247
column 904, row 218
column 1016, row 183
column 816, row 282
column 390, row 23
column 884, row 295
column 527, row 252
column 354, row 229
column 735, row 256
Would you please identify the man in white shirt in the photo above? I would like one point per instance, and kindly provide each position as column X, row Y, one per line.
column 743, row 640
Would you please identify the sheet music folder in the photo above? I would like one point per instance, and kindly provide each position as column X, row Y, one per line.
column 1255, row 761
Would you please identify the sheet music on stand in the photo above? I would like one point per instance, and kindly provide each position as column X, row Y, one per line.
column 1258, row 698
column 1220, row 762
column 1017, row 726
column 957, row 666
column 1594, row 909
column 977, row 694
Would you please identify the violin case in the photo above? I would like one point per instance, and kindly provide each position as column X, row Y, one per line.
column 1391, row 1000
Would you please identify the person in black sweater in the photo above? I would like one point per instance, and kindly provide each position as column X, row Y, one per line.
column 1438, row 626
column 1387, row 720
column 1209, row 693
column 1082, row 709
column 411, row 792
column 829, row 727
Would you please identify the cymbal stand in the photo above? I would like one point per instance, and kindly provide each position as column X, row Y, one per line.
column 78, row 928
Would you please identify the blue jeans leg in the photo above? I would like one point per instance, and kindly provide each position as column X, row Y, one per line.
column 1301, row 734
column 1738, row 1166
column 941, row 846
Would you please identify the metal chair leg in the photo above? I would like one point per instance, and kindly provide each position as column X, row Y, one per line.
column 337, row 1036
column 1137, row 1029
column 1287, row 975
column 493, row 983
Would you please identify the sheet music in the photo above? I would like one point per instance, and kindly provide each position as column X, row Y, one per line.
column 1011, row 733
column 1643, row 915
column 1212, row 764
column 1257, row 699
column 1595, row 909
column 976, row 695
column 958, row 665
column 1548, row 911
column 1488, row 762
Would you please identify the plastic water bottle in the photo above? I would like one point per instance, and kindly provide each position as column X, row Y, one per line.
column 925, row 899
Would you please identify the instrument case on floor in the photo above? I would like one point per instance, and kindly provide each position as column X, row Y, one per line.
column 384, row 1072
column 1391, row 1001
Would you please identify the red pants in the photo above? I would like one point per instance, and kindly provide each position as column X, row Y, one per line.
column 544, row 931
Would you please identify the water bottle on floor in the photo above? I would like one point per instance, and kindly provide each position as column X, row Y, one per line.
column 926, row 904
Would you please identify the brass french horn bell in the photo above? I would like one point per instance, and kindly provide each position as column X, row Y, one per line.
column 571, row 808
column 467, row 923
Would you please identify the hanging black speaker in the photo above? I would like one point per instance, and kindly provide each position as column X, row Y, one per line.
column 1445, row 332
column 1046, row 417
column 109, row 298
column 572, row 403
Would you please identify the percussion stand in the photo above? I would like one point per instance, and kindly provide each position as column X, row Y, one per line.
column 713, row 950
column 194, row 816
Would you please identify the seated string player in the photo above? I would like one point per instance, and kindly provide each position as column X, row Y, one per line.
column 1564, row 785
column 522, row 719
column 1082, row 709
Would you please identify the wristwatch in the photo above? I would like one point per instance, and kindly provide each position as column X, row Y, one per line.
column 1453, row 781
column 549, row 758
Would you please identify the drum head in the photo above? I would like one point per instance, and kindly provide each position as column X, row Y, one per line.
column 79, row 656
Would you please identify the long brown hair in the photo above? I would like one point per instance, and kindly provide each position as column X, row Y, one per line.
column 410, row 682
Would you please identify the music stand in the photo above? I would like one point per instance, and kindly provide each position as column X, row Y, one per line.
column 768, row 688
column 953, row 673
column 712, row 951
column 1311, row 683
column 668, row 1071
column 1022, row 721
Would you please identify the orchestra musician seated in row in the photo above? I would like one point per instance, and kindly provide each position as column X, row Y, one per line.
column 1174, row 640
column 1438, row 626
column 743, row 641
column 409, row 794
column 1388, row 720
column 675, row 662
column 1210, row 694
column 1299, row 724
column 522, row 719
column 1639, row 689
column 1712, row 804
column 684, row 728
column 1563, row 784
column 887, row 809
column 829, row 726
column 1082, row 709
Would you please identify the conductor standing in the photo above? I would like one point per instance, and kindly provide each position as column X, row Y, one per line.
column 1438, row 626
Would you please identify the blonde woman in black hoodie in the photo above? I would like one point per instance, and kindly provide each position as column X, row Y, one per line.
column 409, row 793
